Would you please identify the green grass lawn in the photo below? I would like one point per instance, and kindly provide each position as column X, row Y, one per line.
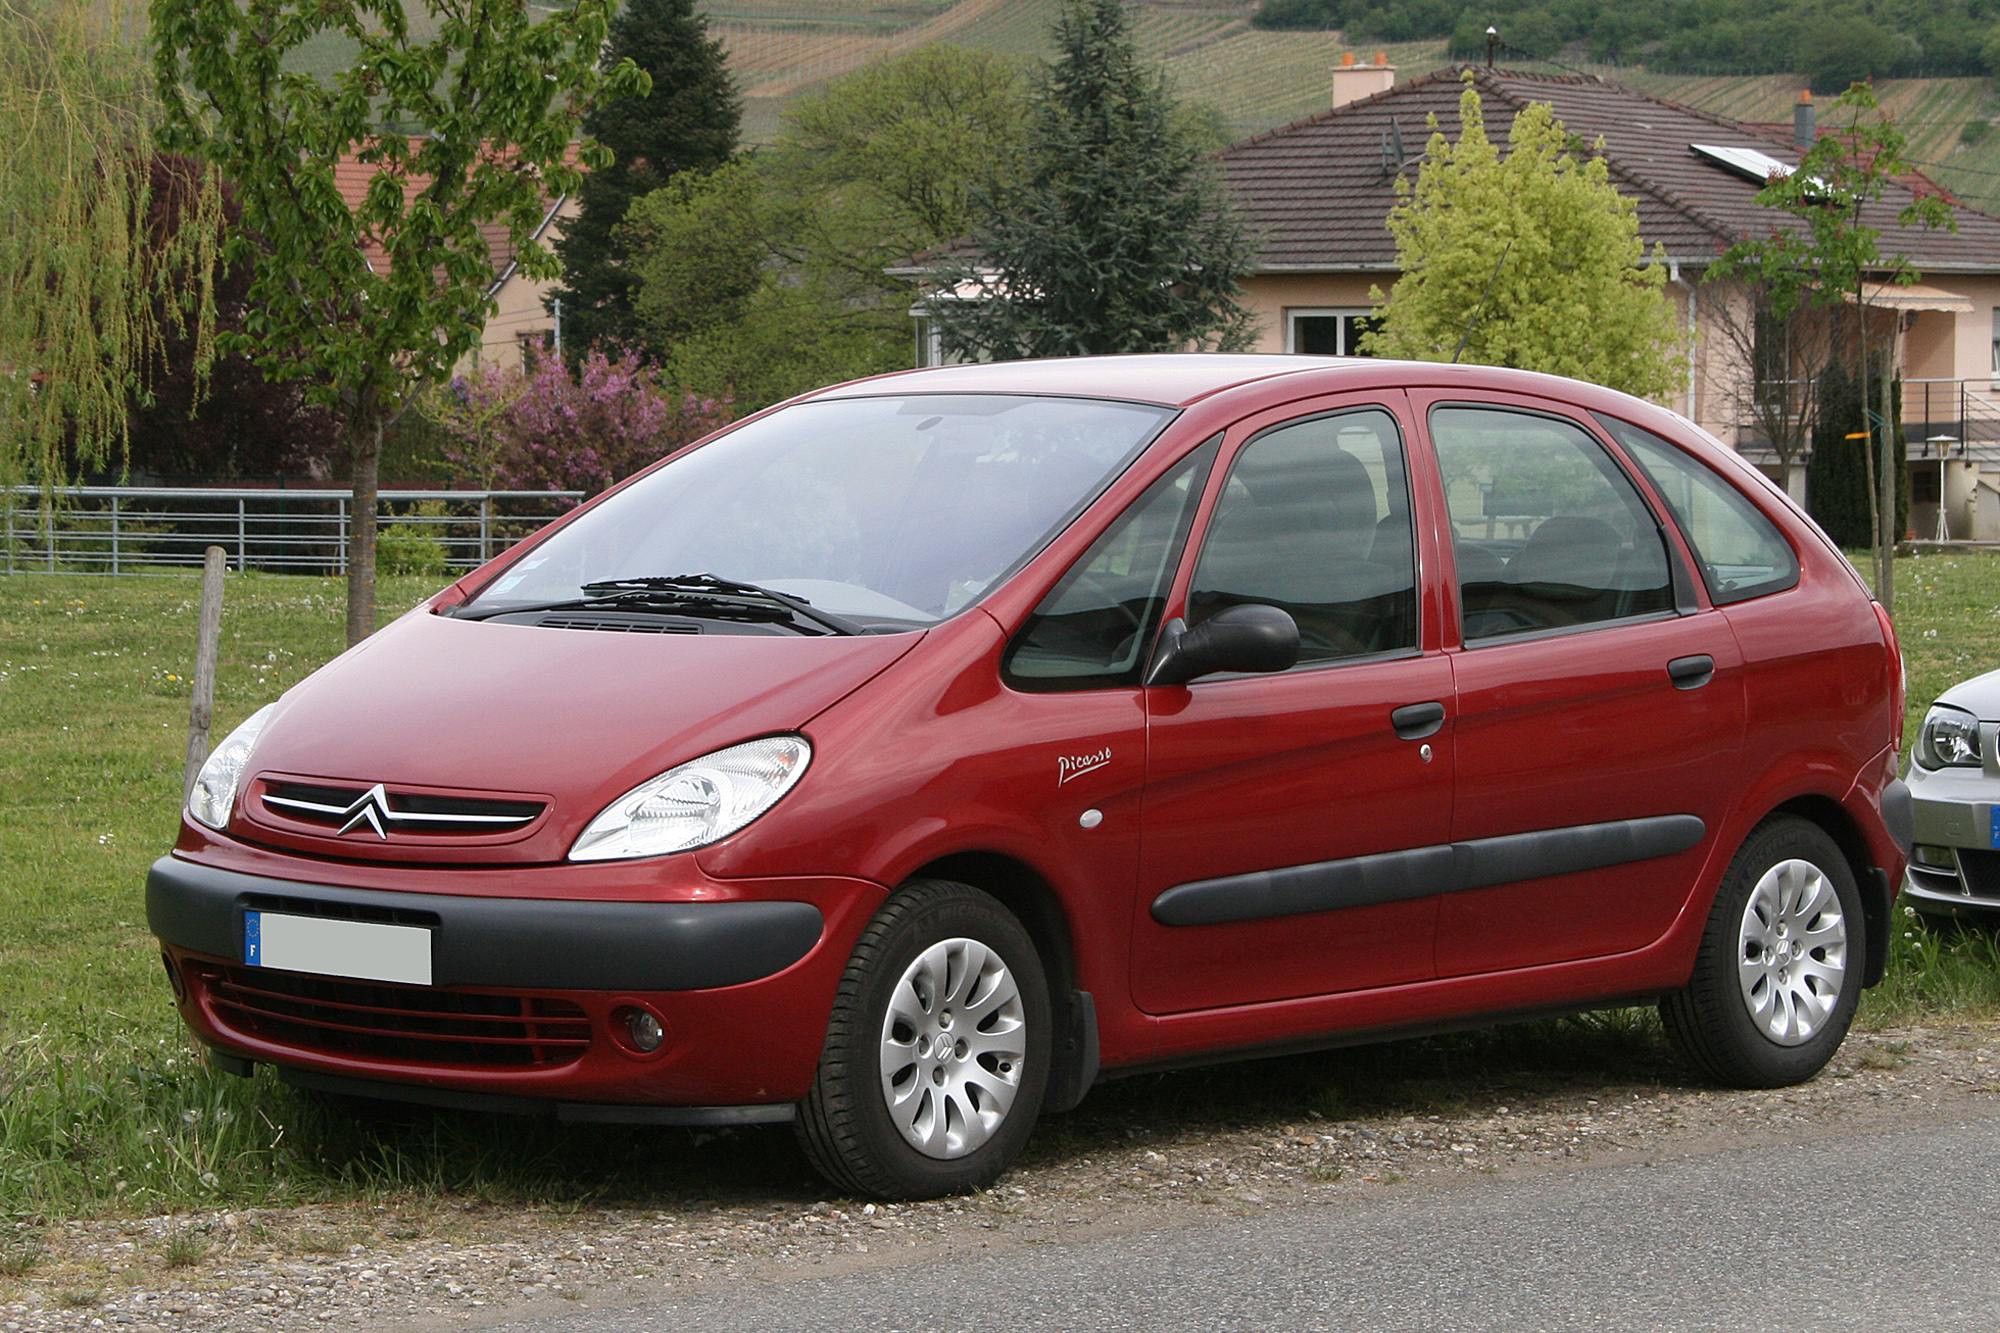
column 104, row 1106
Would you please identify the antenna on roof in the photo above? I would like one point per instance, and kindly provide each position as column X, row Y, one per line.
column 1492, row 45
column 1473, row 323
column 1392, row 147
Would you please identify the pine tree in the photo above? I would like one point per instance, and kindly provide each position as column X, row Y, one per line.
column 688, row 122
column 1838, row 482
column 1116, row 237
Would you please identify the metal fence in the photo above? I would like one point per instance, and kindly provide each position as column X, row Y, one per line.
column 140, row 529
column 1951, row 419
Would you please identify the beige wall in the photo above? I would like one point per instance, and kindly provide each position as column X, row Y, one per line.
column 1270, row 295
column 1972, row 335
column 521, row 309
column 1939, row 345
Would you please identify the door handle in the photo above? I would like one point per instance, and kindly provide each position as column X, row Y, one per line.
column 1413, row 722
column 1691, row 673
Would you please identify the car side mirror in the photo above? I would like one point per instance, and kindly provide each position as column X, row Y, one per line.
column 1241, row 638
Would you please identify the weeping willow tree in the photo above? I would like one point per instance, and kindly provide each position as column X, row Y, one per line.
column 90, row 284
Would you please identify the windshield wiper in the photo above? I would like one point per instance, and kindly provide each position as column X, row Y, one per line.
column 707, row 587
column 691, row 593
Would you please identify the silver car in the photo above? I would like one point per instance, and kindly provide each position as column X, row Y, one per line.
column 1955, row 783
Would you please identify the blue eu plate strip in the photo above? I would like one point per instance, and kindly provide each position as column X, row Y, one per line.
column 252, row 931
column 1993, row 834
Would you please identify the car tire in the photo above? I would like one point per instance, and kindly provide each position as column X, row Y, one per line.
column 1779, row 971
column 937, row 1051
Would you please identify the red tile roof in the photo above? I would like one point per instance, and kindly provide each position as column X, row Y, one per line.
column 352, row 178
column 1319, row 191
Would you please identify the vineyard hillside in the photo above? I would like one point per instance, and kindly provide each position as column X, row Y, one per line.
column 1257, row 79
column 1254, row 78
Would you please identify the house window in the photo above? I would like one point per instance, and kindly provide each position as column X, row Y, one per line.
column 1328, row 332
column 1996, row 342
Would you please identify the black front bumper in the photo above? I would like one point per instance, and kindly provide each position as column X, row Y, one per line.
column 523, row 943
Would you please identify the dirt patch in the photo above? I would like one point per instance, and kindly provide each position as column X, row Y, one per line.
column 1140, row 1154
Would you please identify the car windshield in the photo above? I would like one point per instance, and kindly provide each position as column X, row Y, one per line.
column 901, row 510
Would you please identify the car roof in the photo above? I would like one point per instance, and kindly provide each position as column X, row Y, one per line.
column 1172, row 378
column 1180, row 379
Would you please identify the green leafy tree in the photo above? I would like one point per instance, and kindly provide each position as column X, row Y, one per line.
column 1837, row 52
column 1116, row 236
column 1822, row 253
column 94, row 281
column 498, row 93
column 766, row 277
column 884, row 164
column 723, row 313
column 1530, row 260
column 688, row 121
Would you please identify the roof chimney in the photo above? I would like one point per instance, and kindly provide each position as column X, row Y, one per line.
column 1353, row 81
column 1803, row 133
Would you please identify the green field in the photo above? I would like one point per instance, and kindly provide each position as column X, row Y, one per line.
column 104, row 1106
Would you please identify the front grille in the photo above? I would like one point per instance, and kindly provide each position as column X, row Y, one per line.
column 338, row 808
column 403, row 1023
column 1981, row 871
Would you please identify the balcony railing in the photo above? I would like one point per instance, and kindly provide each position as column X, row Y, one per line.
column 1952, row 419
column 1942, row 418
column 151, row 529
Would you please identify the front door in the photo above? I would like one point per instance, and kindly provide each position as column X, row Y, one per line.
column 1285, row 817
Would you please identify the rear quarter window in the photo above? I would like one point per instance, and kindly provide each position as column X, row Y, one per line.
column 1741, row 552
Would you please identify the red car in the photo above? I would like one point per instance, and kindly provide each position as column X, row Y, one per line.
column 902, row 760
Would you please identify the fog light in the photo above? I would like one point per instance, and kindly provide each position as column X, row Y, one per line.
column 1940, row 857
column 645, row 1032
column 174, row 977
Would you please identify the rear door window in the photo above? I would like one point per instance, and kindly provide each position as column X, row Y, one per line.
column 1549, row 533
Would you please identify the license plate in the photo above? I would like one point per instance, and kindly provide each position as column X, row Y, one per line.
column 366, row 950
column 1993, row 835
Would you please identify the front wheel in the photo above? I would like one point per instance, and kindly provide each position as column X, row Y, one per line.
column 937, row 1053
column 1779, row 973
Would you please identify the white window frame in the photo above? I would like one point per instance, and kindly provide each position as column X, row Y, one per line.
column 1293, row 314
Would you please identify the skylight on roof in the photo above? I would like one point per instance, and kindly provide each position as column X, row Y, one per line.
column 1745, row 162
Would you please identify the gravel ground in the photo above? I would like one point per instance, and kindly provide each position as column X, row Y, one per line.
column 423, row 1263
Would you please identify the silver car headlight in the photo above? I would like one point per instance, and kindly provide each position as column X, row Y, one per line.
column 214, row 791
column 1949, row 739
column 696, row 803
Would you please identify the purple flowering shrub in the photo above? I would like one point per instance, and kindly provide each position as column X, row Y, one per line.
column 537, row 427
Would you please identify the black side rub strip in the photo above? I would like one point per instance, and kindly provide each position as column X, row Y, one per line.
column 1390, row 877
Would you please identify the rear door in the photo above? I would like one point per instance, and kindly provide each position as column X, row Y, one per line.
column 1284, row 815
column 1600, row 709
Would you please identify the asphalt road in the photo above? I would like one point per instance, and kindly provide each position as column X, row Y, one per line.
column 1876, row 1231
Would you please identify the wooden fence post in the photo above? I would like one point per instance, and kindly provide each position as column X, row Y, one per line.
column 201, row 708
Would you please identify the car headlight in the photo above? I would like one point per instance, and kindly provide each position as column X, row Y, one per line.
column 1949, row 739
column 696, row 803
column 215, row 786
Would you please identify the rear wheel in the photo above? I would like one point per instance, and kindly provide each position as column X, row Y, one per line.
column 1779, row 973
column 937, row 1052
